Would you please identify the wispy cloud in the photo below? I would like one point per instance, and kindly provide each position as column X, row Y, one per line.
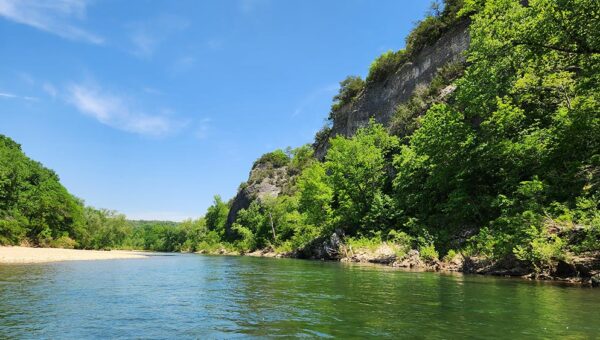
column 117, row 112
column 147, row 36
column 52, row 16
column 7, row 95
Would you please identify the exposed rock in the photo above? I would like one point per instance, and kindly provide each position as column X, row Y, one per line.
column 454, row 265
column 564, row 269
column 380, row 99
column 323, row 248
column 265, row 181
column 384, row 254
column 411, row 260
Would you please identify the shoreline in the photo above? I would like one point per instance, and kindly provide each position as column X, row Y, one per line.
column 30, row 255
column 414, row 264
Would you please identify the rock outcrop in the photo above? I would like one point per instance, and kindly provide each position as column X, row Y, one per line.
column 265, row 181
column 379, row 99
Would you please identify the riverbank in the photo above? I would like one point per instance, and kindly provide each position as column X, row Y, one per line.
column 582, row 269
column 12, row 255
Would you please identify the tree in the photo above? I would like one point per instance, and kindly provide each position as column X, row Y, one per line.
column 216, row 215
column 358, row 172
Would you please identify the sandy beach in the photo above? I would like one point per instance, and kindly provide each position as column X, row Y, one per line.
column 41, row 255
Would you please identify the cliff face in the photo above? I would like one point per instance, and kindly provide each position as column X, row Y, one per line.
column 265, row 181
column 379, row 99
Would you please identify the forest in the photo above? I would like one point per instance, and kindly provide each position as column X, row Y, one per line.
column 506, row 166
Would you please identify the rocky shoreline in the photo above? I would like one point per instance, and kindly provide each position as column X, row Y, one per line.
column 583, row 270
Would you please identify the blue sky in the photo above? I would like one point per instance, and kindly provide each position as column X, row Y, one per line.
column 152, row 107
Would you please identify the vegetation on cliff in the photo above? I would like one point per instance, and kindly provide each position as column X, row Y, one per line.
column 506, row 167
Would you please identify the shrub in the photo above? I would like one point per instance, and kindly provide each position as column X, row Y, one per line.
column 428, row 252
column 349, row 90
column 541, row 248
column 11, row 232
column 385, row 65
column 450, row 255
column 364, row 243
column 404, row 122
column 63, row 242
column 429, row 30
column 277, row 159
column 322, row 136
column 246, row 241
column 401, row 242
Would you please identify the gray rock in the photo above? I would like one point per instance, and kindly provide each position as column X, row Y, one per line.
column 380, row 99
column 264, row 181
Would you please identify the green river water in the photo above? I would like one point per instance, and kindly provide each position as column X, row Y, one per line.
column 207, row 297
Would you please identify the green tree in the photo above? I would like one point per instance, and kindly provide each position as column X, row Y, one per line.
column 358, row 173
column 216, row 215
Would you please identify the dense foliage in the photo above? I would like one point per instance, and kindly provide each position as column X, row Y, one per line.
column 33, row 204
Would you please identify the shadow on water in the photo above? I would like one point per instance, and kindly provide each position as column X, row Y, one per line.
column 195, row 296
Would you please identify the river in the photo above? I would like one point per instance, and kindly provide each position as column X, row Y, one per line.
column 196, row 296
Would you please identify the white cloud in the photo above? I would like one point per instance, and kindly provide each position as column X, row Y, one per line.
column 7, row 95
column 52, row 16
column 117, row 112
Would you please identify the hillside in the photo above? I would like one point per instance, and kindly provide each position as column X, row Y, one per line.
column 478, row 144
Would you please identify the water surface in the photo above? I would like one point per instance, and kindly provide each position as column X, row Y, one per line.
column 195, row 296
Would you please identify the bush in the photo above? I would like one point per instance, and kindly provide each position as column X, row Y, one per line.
column 63, row 242
column 541, row 248
column 349, row 90
column 385, row 65
column 322, row 136
column 11, row 231
column 277, row 159
column 401, row 242
column 405, row 119
column 450, row 255
column 364, row 243
column 429, row 30
column 246, row 241
column 428, row 252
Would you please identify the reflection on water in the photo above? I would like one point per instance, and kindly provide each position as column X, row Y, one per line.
column 193, row 296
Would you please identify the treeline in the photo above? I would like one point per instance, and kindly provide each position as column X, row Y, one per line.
column 36, row 210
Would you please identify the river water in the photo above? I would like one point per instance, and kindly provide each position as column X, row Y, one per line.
column 196, row 296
